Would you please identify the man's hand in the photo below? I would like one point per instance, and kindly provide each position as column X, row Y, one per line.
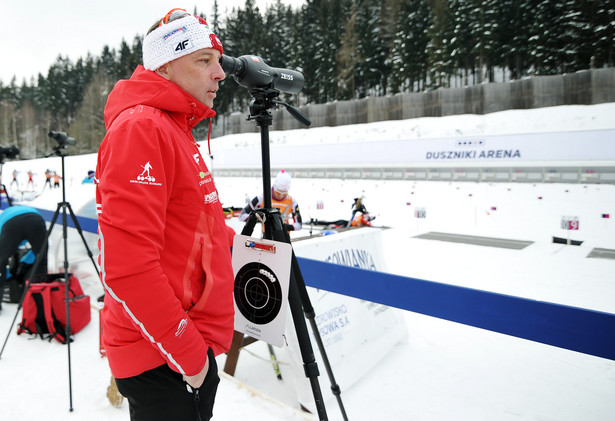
column 197, row 380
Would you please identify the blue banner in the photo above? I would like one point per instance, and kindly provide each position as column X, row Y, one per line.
column 576, row 329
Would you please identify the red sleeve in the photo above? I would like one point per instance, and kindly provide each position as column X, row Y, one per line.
column 131, row 224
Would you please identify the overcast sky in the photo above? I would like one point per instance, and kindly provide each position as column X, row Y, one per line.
column 33, row 33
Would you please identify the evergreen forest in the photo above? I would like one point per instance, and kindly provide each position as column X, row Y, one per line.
column 346, row 49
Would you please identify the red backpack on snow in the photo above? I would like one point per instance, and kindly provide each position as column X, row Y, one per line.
column 44, row 307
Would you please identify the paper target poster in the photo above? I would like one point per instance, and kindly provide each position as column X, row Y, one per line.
column 262, row 276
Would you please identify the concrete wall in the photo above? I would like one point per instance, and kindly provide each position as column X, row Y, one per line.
column 586, row 87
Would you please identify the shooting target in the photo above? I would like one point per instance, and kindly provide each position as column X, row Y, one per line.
column 258, row 293
column 262, row 275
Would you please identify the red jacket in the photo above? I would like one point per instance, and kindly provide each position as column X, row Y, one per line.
column 165, row 259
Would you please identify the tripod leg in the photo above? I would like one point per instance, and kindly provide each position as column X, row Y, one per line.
column 308, row 311
column 80, row 231
column 307, row 353
column 274, row 229
column 310, row 314
column 35, row 266
column 23, row 296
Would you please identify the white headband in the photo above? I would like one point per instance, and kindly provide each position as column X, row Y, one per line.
column 176, row 39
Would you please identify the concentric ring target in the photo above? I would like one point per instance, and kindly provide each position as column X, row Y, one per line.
column 258, row 293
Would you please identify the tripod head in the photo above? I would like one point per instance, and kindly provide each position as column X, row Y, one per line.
column 63, row 140
column 264, row 99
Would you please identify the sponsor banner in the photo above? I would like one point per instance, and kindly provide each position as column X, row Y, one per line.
column 356, row 334
column 590, row 145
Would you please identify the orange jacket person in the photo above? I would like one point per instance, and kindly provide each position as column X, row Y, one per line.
column 289, row 208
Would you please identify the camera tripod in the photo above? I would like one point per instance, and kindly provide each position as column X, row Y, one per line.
column 2, row 186
column 273, row 229
column 63, row 206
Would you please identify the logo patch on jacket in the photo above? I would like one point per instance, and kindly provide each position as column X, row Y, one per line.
column 211, row 197
column 146, row 176
column 205, row 178
column 181, row 327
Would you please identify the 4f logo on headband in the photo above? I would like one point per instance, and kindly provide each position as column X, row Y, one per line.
column 183, row 46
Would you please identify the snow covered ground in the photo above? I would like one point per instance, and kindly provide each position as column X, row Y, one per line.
column 444, row 370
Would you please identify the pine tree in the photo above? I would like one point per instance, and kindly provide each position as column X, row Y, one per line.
column 348, row 57
column 125, row 65
column 89, row 126
column 547, row 37
column 308, row 32
column 329, row 14
column 483, row 29
column 600, row 45
column 439, row 47
column 107, row 63
column 409, row 54
column 372, row 71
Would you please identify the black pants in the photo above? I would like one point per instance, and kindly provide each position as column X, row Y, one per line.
column 161, row 394
column 27, row 226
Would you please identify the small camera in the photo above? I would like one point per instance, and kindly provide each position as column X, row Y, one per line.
column 10, row 152
column 63, row 139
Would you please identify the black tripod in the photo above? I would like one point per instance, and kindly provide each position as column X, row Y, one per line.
column 2, row 186
column 273, row 229
column 64, row 205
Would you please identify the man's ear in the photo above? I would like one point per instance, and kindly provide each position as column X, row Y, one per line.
column 164, row 71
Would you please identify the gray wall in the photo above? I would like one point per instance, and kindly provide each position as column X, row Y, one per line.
column 582, row 88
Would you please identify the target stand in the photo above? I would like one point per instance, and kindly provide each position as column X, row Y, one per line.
column 262, row 272
column 298, row 298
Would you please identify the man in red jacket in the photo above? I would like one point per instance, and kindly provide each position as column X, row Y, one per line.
column 165, row 260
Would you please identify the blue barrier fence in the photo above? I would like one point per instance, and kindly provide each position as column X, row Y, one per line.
column 577, row 329
column 587, row 331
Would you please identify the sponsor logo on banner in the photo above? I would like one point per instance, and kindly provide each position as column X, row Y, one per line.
column 353, row 257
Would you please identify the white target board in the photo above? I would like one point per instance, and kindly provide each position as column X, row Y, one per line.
column 570, row 223
column 262, row 274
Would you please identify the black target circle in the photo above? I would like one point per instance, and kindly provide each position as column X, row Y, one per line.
column 258, row 294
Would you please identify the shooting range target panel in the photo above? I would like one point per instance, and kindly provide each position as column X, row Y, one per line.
column 258, row 294
column 262, row 275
